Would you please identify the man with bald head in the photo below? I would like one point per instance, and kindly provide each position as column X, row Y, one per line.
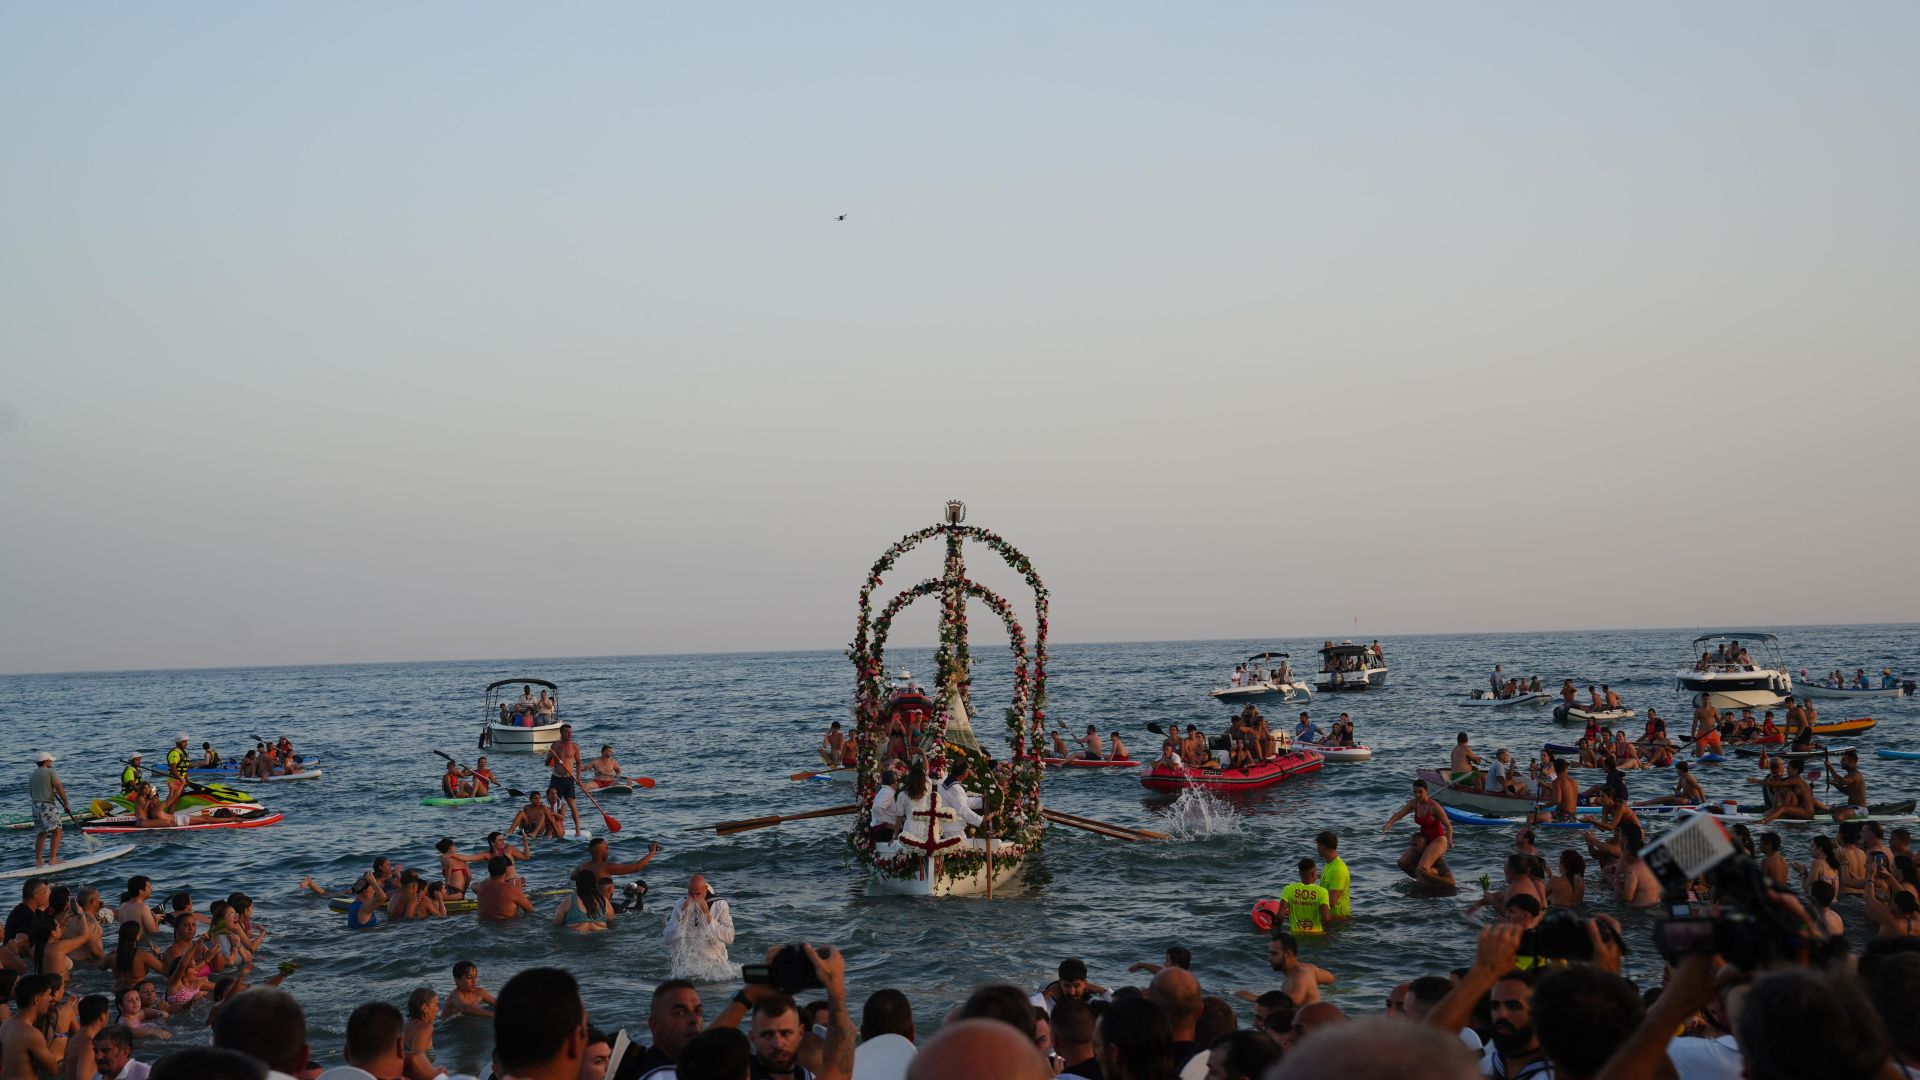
column 1377, row 1048
column 1177, row 993
column 971, row 1049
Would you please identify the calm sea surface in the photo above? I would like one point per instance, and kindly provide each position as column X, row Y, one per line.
column 722, row 733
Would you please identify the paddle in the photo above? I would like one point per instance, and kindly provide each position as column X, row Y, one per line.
column 817, row 772
column 92, row 844
column 1062, row 818
column 222, row 794
column 612, row 823
column 745, row 824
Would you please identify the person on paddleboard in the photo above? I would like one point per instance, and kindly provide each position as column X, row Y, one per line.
column 606, row 771
column 564, row 758
column 48, row 795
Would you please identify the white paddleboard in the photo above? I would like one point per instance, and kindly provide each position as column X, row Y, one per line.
column 310, row 774
column 580, row 837
column 88, row 859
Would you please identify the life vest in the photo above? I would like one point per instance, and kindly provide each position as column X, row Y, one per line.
column 177, row 763
column 129, row 779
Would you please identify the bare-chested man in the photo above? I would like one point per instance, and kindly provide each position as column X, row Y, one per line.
column 564, row 758
column 1091, row 748
column 534, row 819
column 1792, row 797
column 468, row 997
column 1464, row 766
column 1617, row 818
column 1853, row 784
column 1300, row 980
column 606, row 771
column 602, row 866
column 24, row 1051
column 833, row 745
column 501, row 896
column 1686, row 788
column 1566, row 793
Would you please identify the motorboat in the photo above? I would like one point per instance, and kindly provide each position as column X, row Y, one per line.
column 1729, row 675
column 520, row 722
column 1347, row 666
column 1890, row 686
column 1489, row 803
column 1266, row 676
column 1484, row 699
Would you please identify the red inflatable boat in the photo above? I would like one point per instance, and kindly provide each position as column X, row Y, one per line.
column 1293, row 763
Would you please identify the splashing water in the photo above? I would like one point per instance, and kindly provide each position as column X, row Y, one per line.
column 1198, row 814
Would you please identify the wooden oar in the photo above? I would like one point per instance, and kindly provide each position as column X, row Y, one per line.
column 1092, row 829
column 745, row 824
column 1062, row 818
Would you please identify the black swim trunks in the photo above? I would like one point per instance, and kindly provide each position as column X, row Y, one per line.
column 561, row 786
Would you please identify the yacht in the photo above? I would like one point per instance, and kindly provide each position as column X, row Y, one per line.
column 1347, row 666
column 1738, row 669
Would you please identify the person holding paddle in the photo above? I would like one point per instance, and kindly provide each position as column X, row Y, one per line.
column 43, row 788
column 564, row 759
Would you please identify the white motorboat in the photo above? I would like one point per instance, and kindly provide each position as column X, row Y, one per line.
column 1730, row 676
column 521, row 723
column 1347, row 666
column 1484, row 699
column 1260, row 679
column 1890, row 686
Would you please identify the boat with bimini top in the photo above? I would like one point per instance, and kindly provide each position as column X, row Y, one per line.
column 1266, row 676
column 1730, row 676
column 526, row 722
column 1346, row 667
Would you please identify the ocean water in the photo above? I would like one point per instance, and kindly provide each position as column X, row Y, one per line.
column 722, row 733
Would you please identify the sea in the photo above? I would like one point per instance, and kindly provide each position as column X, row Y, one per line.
column 722, row 734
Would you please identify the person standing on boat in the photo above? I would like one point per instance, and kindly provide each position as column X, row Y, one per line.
column 564, row 758
column 1497, row 681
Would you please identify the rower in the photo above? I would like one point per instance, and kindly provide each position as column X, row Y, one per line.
column 606, row 770
column 1465, row 766
column 450, row 785
column 1090, row 747
column 1306, row 731
column 1116, row 750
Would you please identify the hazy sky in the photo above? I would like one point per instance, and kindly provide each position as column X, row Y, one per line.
column 343, row 332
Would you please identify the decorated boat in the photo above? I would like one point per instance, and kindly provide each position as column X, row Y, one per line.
column 1346, row 666
column 1731, row 676
column 1295, row 762
column 1262, row 679
column 518, row 723
column 935, row 852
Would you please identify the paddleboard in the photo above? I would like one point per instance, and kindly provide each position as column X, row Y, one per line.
column 580, row 837
column 251, row 817
column 1892, row 755
column 88, row 859
column 621, row 786
column 1088, row 763
column 442, row 800
column 1468, row 818
column 310, row 774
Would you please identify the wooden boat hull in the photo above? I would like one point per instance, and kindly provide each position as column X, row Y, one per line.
column 931, row 882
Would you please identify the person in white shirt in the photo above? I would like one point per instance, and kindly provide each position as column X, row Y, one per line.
column 113, row 1055
column 698, row 932
column 885, row 820
column 373, row 1044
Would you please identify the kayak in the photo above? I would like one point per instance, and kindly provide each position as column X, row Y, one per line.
column 1819, row 752
column 1089, row 763
column 442, row 800
column 246, row 816
column 1845, row 727
column 1891, row 755
column 310, row 774
column 1573, row 714
column 232, row 768
column 74, row 863
column 1158, row 777
column 1339, row 753
column 463, row 905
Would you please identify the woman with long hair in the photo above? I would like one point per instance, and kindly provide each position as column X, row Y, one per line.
column 584, row 910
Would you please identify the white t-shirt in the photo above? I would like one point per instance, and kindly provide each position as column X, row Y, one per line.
column 886, row 812
column 1706, row 1059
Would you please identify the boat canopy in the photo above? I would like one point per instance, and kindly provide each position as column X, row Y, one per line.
column 1346, row 648
column 1268, row 656
column 492, row 686
column 1737, row 635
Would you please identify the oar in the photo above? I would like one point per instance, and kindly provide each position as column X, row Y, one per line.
column 219, row 796
column 1089, row 828
column 92, row 844
column 612, row 823
column 817, row 772
column 745, row 824
column 1075, row 819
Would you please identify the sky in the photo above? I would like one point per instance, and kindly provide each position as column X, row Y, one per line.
column 357, row 332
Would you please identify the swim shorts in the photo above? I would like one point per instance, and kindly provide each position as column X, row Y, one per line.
column 561, row 786
column 46, row 816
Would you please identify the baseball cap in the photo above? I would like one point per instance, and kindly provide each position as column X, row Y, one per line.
column 43, row 756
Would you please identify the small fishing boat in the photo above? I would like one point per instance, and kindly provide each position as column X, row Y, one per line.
column 1262, row 679
column 1890, row 686
column 1484, row 699
column 1489, row 803
column 1726, row 680
column 1339, row 754
column 238, row 816
column 1296, row 762
column 517, row 723
column 1347, row 667
column 232, row 768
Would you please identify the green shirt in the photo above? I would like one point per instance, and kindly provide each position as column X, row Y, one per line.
column 1339, row 881
column 1303, row 907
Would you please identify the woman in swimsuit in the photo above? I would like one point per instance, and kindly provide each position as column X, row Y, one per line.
column 131, row 962
column 187, row 977
column 1822, row 865
column 453, row 867
column 416, row 1039
column 1569, row 888
column 1424, row 859
column 1898, row 915
column 583, row 911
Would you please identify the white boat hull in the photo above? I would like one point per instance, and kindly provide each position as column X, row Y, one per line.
column 1371, row 679
column 1744, row 699
column 1540, row 698
column 1747, row 688
column 930, row 881
column 1266, row 691
column 509, row 737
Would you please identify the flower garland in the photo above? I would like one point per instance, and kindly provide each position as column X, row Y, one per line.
column 1015, row 784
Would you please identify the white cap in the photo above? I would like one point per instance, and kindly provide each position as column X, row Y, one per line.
column 182, row 737
column 43, row 756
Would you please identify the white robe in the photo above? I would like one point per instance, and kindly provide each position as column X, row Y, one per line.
column 955, row 824
column 699, row 947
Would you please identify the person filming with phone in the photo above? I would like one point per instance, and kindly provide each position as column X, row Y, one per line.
column 699, row 931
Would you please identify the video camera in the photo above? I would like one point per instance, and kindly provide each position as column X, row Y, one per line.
column 788, row 972
column 1561, row 934
column 1745, row 925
